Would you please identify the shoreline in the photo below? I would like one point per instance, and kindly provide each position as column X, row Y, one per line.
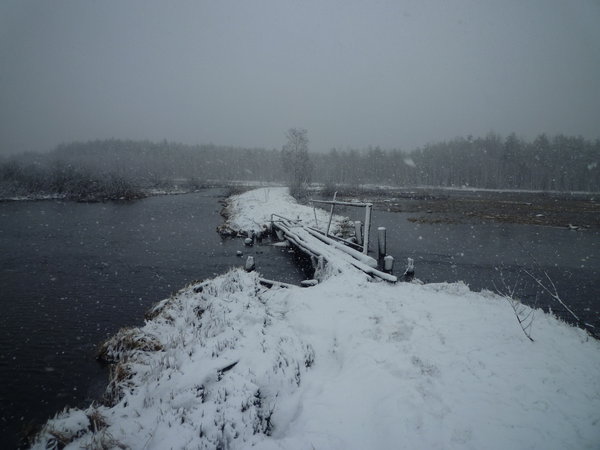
column 574, row 211
column 577, row 211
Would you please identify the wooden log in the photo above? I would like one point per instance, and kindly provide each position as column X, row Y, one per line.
column 273, row 283
column 329, row 202
column 327, row 251
column 350, row 251
column 295, row 239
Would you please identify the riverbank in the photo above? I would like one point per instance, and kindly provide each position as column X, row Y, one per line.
column 139, row 193
column 74, row 273
column 570, row 210
column 576, row 211
column 349, row 363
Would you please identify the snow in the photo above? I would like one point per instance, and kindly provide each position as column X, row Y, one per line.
column 259, row 204
column 346, row 364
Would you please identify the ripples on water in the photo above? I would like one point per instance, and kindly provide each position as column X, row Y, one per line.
column 72, row 274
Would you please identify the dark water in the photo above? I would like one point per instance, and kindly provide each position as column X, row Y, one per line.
column 482, row 255
column 72, row 274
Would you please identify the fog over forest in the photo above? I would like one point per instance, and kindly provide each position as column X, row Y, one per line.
column 106, row 169
column 132, row 92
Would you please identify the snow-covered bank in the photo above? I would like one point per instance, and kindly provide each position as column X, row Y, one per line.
column 252, row 210
column 349, row 363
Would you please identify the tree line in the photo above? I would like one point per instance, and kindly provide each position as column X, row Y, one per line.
column 560, row 163
column 112, row 168
column 124, row 169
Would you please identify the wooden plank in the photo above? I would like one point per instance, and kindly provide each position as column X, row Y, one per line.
column 344, row 248
column 314, row 244
column 335, row 202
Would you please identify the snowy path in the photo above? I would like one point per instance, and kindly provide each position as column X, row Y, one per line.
column 258, row 205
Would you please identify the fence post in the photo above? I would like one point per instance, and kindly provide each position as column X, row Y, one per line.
column 388, row 264
column 331, row 214
column 367, row 229
column 358, row 232
column 381, row 241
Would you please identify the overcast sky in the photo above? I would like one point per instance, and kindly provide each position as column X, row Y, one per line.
column 397, row 74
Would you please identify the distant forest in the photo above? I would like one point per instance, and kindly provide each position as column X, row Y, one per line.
column 559, row 163
column 106, row 169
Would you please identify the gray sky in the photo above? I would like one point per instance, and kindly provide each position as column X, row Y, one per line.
column 397, row 74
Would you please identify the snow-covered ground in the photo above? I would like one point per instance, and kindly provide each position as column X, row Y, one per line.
column 252, row 210
column 347, row 364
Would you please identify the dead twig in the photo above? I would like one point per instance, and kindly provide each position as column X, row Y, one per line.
column 524, row 314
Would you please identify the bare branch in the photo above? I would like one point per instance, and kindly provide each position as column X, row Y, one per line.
column 553, row 293
column 523, row 314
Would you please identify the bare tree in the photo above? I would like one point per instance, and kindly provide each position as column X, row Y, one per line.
column 296, row 163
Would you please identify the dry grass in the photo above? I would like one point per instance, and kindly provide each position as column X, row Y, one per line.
column 125, row 342
column 120, row 374
column 52, row 437
column 156, row 309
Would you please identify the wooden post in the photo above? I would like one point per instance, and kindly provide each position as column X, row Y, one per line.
column 367, row 229
column 388, row 264
column 321, row 263
column 303, row 239
column 381, row 241
column 409, row 273
column 331, row 214
column 250, row 265
column 358, row 232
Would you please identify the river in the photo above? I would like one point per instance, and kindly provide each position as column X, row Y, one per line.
column 72, row 274
column 494, row 256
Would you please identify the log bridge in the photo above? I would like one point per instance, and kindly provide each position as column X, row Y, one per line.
column 324, row 248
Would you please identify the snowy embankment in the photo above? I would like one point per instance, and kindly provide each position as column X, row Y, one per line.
column 252, row 211
column 347, row 364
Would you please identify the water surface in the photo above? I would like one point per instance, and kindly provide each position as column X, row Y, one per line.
column 487, row 255
column 72, row 274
